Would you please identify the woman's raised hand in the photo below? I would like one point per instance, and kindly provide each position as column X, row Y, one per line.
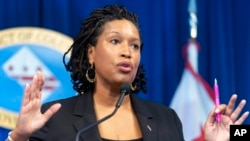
column 30, row 118
column 220, row 131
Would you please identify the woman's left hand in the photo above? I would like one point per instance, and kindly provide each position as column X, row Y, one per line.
column 219, row 131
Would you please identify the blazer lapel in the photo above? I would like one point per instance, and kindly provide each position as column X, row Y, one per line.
column 145, row 118
column 84, row 111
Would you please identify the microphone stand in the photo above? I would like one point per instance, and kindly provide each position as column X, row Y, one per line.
column 118, row 104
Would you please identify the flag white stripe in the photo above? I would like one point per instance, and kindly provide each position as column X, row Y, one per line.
column 192, row 99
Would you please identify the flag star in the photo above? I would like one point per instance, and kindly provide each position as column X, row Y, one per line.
column 11, row 68
column 25, row 68
column 39, row 68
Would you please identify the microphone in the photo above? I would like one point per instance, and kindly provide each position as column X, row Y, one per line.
column 124, row 90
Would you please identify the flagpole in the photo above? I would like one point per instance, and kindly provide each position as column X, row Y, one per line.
column 192, row 18
column 192, row 100
column 192, row 48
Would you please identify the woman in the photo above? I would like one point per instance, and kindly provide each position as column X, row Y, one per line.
column 106, row 54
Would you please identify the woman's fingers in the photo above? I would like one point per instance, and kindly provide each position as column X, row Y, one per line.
column 238, row 110
column 33, row 87
column 211, row 119
column 30, row 118
column 41, row 81
column 231, row 104
column 242, row 118
column 32, row 92
column 233, row 113
column 26, row 97
column 36, row 86
column 51, row 111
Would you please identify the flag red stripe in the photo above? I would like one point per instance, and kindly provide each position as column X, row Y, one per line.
column 194, row 73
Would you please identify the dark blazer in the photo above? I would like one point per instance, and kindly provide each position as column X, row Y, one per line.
column 157, row 122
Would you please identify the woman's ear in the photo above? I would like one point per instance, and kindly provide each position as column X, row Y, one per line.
column 91, row 53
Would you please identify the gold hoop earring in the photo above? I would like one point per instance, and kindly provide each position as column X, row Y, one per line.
column 90, row 74
column 133, row 88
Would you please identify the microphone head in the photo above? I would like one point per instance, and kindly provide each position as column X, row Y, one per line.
column 125, row 88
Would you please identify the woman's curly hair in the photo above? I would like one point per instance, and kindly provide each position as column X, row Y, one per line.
column 91, row 28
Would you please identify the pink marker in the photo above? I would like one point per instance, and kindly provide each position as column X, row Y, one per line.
column 217, row 98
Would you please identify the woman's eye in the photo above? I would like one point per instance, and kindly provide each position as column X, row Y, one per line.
column 135, row 46
column 114, row 41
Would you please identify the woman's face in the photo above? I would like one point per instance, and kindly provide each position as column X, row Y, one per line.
column 117, row 53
